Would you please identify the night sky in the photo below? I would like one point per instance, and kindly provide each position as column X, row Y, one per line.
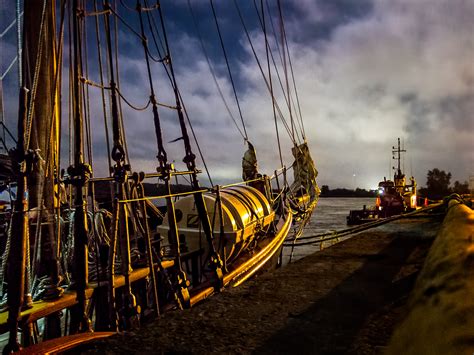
column 367, row 72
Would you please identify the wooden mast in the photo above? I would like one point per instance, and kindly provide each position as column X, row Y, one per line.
column 37, row 120
column 42, row 75
column 79, row 174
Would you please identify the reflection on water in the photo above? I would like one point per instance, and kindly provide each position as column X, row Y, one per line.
column 329, row 215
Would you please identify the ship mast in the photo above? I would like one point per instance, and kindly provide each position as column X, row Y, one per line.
column 79, row 175
column 34, row 159
column 398, row 151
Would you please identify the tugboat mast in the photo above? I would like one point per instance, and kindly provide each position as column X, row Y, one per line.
column 398, row 150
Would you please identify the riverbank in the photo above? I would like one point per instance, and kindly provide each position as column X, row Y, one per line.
column 345, row 299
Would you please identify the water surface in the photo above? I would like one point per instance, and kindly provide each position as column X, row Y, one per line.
column 330, row 215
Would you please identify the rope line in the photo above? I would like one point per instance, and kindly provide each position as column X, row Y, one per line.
column 285, row 40
column 211, row 69
column 143, row 108
column 126, row 24
column 162, row 157
column 9, row 67
column 285, row 70
column 19, row 42
column 121, row 123
column 153, row 26
column 338, row 234
column 9, row 27
column 282, row 118
column 35, row 77
column 287, row 96
column 94, row 84
column 270, row 79
column 228, row 67
column 101, row 76
column 96, row 13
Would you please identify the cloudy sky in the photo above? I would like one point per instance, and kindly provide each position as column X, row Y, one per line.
column 367, row 72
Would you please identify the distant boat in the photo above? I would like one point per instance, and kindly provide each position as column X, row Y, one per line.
column 394, row 197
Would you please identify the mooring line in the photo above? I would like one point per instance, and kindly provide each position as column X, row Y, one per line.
column 319, row 238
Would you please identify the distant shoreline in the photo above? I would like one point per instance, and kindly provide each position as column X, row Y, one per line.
column 343, row 192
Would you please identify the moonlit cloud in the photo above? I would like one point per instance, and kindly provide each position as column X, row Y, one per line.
column 367, row 72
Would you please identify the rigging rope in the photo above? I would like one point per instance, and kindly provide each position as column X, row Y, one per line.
column 228, row 67
column 9, row 68
column 101, row 75
column 270, row 80
column 262, row 72
column 195, row 139
column 136, row 108
column 151, row 20
column 122, row 126
column 70, row 96
column 152, row 23
column 285, row 71
column 19, row 43
column 9, row 26
column 162, row 157
column 35, row 77
column 211, row 69
column 85, row 96
column 285, row 40
column 347, row 231
column 126, row 23
column 290, row 98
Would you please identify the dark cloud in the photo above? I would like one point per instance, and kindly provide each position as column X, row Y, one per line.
column 321, row 18
column 458, row 110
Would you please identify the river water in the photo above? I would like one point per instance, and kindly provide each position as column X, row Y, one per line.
column 329, row 215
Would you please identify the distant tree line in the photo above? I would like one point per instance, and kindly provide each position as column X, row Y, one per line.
column 342, row 192
column 438, row 185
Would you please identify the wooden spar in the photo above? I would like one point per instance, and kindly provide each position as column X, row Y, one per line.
column 80, row 173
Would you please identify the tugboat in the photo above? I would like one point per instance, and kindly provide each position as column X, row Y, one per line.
column 393, row 197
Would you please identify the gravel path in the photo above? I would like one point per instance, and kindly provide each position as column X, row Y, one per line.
column 345, row 299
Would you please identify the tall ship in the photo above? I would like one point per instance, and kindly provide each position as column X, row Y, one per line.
column 86, row 253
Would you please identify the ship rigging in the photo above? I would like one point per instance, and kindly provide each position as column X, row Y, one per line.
column 86, row 251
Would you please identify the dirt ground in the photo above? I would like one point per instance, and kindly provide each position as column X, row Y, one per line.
column 345, row 299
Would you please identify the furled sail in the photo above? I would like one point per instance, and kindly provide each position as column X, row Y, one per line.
column 304, row 172
column 249, row 163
